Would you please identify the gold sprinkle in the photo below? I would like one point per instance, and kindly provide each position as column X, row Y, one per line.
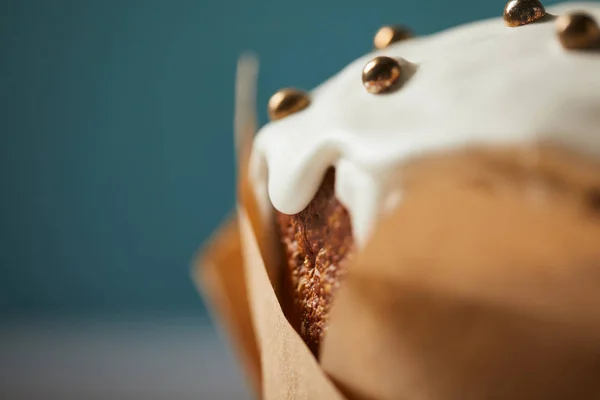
column 286, row 102
column 578, row 31
column 381, row 74
column 523, row 12
column 389, row 34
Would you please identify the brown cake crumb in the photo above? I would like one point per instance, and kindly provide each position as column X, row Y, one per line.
column 318, row 243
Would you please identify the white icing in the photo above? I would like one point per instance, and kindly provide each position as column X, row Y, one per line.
column 479, row 84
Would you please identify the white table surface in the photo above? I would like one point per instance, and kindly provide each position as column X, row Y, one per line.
column 117, row 358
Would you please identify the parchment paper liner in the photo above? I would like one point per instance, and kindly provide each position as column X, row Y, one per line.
column 233, row 278
column 517, row 317
column 235, row 272
column 219, row 273
column 484, row 284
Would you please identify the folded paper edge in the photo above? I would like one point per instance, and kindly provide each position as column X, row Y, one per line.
column 300, row 376
column 230, row 311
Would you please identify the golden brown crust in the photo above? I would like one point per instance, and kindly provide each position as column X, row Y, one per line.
column 318, row 244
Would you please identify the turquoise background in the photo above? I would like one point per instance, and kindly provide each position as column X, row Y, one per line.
column 116, row 155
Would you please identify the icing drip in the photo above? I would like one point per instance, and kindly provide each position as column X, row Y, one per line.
column 479, row 84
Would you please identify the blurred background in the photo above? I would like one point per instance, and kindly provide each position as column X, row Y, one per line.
column 116, row 164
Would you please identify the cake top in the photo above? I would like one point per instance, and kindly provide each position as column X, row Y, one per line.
column 483, row 83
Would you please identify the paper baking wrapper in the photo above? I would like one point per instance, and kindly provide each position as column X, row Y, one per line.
column 484, row 283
